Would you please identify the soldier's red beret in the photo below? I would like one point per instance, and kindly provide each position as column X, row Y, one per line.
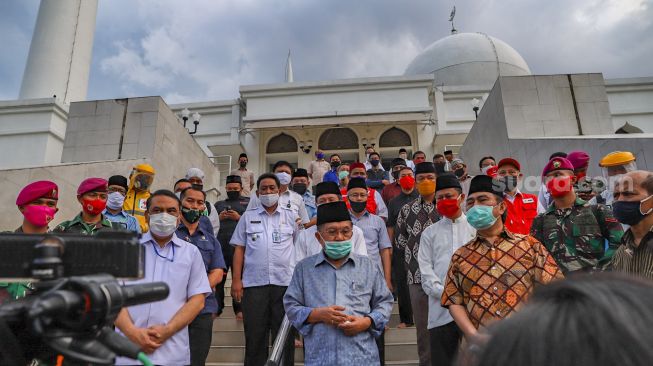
column 36, row 190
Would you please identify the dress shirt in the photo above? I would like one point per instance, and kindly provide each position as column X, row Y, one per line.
column 247, row 178
column 331, row 176
column 180, row 265
column 211, row 252
column 437, row 244
column 306, row 244
column 359, row 287
column 126, row 220
column 288, row 199
column 375, row 178
column 635, row 260
column 522, row 209
column 413, row 218
column 309, row 203
column 390, row 191
column 317, row 169
column 376, row 235
column 268, row 242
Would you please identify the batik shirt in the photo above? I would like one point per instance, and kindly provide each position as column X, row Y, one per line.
column 583, row 237
column 413, row 218
column 491, row 280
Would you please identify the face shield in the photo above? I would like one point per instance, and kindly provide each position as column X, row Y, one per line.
column 143, row 181
column 612, row 174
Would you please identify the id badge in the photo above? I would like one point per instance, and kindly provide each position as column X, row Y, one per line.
column 276, row 237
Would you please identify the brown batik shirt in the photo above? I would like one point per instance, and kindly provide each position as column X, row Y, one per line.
column 492, row 279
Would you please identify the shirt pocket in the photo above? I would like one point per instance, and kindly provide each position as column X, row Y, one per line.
column 206, row 250
column 530, row 210
column 254, row 234
column 359, row 297
column 587, row 235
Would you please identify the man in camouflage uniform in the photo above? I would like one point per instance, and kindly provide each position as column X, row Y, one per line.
column 580, row 236
column 92, row 195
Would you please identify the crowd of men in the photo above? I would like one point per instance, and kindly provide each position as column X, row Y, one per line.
column 334, row 245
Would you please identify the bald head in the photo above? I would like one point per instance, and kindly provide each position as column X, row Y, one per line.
column 634, row 186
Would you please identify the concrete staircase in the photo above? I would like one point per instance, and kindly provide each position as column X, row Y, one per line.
column 228, row 347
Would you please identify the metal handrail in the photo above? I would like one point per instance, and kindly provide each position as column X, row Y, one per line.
column 279, row 343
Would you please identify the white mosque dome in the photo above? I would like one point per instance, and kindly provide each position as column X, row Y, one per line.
column 468, row 59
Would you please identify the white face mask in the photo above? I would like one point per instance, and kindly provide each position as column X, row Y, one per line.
column 284, row 178
column 485, row 169
column 163, row 224
column 115, row 200
column 269, row 200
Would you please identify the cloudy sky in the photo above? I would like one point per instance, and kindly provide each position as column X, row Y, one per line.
column 194, row 50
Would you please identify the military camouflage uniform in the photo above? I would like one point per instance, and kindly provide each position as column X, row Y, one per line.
column 78, row 226
column 581, row 238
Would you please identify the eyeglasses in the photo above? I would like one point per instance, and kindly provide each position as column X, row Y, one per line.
column 332, row 233
column 358, row 195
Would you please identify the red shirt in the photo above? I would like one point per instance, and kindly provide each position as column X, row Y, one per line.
column 390, row 191
column 521, row 212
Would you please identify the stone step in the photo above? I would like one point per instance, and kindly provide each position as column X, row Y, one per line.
column 226, row 322
column 389, row 363
column 234, row 354
column 232, row 338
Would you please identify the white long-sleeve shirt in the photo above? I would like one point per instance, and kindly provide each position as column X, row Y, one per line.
column 436, row 247
column 306, row 244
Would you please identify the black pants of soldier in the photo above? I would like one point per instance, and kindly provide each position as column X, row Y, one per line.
column 401, row 286
column 200, row 334
column 445, row 340
column 228, row 254
column 380, row 344
column 263, row 313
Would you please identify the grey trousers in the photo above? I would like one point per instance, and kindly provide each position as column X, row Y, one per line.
column 420, row 303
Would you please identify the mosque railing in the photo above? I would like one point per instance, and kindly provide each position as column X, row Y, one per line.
column 277, row 348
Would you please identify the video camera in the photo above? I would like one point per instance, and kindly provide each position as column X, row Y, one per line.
column 71, row 317
column 586, row 185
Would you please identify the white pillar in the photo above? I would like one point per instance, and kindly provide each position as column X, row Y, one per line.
column 60, row 53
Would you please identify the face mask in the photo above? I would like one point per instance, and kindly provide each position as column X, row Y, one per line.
column 426, row 187
column 269, row 200
column 485, row 169
column 559, row 186
column 395, row 175
column 448, row 207
column 284, row 178
column 337, row 249
column 343, row 174
column 439, row 167
column 459, row 172
column 242, row 164
column 630, row 213
column 93, row 206
column 198, row 187
column 481, row 217
column 403, row 156
column 407, row 182
column 374, row 162
column 115, row 200
column 232, row 195
column 319, row 156
column 357, row 207
column 163, row 224
column 299, row 188
column 335, row 164
column 190, row 215
column 581, row 175
column 142, row 181
column 509, row 183
column 39, row 215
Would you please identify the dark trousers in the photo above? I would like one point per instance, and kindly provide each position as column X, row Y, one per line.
column 420, row 302
column 401, row 286
column 228, row 254
column 263, row 313
column 380, row 344
column 200, row 333
column 444, row 344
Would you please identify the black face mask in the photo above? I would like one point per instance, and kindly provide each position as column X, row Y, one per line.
column 190, row 215
column 335, row 164
column 629, row 212
column 459, row 172
column 232, row 195
column 300, row 188
column 243, row 164
column 509, row 183
column 198, row 187
column 358, row 207
column 395, row 175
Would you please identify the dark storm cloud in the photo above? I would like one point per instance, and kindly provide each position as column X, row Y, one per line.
column 205, row 49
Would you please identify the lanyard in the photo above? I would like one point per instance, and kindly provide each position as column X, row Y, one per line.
column 166, row 258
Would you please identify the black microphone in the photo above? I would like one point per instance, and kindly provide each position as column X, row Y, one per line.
column 144, row 293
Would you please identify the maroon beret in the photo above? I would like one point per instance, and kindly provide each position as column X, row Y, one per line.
column 557, row 164
column 91, row 185
column 579, row 159
column 36, row 190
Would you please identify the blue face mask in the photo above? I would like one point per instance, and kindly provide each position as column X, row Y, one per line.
column 336, row 249
column 481, row 217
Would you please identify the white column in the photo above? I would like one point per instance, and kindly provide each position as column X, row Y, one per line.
column 59, row 58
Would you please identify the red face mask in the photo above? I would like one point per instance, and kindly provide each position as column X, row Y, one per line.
column 39, row 215
column 581, row 175
column 407, row 182
column 559, row 186
column 447, row 207
column 93, row 206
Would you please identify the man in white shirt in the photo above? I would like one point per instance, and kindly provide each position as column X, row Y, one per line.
column 318, row 167
column 437, row 244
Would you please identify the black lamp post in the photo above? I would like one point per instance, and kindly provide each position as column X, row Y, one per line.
column 476, row 103
column 185, row 115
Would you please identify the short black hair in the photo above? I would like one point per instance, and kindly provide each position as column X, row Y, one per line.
column 182, row 180
column 162, row 192
column 418, row 152
column 448, row 152
column 267, row 176
column 282, row 163
column 600, row 319
column 375, row 153
column 332, row 155
column 436, row 156
column 183, row 193
column 243, row 155
column 558, row 154
column 480, row 162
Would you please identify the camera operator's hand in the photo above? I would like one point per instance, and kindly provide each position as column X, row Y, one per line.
column 160, row 332
column 145, row 339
